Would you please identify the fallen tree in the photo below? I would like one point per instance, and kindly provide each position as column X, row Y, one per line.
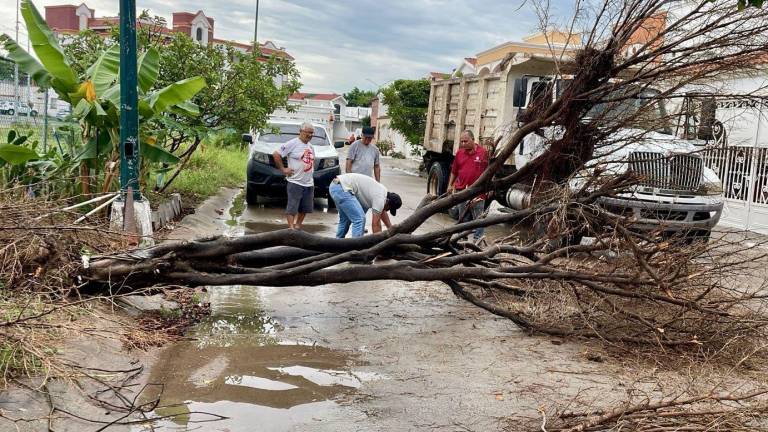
column 629, row 285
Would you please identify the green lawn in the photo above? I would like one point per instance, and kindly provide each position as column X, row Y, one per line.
column 210, row 168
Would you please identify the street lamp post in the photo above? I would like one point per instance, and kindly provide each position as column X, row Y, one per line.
column 256, row 28
column 16, row 70
column 129, row 113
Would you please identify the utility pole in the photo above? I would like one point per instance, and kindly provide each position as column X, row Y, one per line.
column 256, row 29
column 129, row 113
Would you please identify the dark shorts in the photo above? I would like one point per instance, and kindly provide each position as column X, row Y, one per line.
column 301, row 199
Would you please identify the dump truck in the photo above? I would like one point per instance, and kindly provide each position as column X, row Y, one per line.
column 675, row 193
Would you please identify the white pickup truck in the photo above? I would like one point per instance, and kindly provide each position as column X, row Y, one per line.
column 676, row 191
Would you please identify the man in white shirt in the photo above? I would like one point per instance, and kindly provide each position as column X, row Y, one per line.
column 354, row 194
column 299, row 173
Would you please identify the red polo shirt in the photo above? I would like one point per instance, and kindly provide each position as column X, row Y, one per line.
column 468, row 165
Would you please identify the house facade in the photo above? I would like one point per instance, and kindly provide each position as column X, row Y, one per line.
column 327, row 109
column 552, row 42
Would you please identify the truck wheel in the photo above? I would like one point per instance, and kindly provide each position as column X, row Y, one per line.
column 11, row 111
column 437, row 178
column 251, row 195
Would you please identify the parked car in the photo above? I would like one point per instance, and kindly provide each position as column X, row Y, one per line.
column 62, row 113
column 11, row 108
column 264, row 179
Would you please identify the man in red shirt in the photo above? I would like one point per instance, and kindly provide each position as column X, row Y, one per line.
column 470, row 162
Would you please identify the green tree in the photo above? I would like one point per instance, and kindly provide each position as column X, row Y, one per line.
column 6, row 69
column 359, row 98
column 407, row 102
column 84, row 49
column 243, row 89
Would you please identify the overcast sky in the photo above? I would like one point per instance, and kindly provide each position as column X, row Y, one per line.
column 339, row 44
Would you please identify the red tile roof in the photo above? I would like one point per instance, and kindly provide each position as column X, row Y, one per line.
column 314, row 96
column 266, row 52
column 103, row 22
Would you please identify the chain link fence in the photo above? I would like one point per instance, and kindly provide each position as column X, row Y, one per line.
column 33, row 111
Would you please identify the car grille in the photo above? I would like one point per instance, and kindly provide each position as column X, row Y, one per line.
column 681, row 172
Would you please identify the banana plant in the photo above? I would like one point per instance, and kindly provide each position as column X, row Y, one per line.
column 95, row 95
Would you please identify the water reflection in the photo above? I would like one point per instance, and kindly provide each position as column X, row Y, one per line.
column 237, row 316
column 237, row 366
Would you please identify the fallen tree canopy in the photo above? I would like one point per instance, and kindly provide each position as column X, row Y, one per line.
column 628, row 285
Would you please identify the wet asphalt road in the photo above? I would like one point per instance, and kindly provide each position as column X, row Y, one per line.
column 372, row 356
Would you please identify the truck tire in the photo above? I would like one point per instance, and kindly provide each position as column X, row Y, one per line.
column 251, row 195
column 437, row 178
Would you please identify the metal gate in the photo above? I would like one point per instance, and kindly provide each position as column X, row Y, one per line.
column 744, row 173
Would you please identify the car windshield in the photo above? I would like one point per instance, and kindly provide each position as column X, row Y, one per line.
column 644, row 110
column 288, row 132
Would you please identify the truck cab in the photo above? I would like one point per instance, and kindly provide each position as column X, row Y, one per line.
column 675, row 191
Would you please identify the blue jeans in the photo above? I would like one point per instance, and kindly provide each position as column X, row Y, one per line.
column 475, row 212
column 350, row 211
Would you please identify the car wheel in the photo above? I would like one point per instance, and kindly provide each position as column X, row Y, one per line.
column 251, row 195
column 11, row 112
column 33, row 113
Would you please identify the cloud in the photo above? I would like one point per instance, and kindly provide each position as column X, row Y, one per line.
column 346, row 43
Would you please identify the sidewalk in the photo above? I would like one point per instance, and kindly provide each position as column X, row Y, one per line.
column 410, row 166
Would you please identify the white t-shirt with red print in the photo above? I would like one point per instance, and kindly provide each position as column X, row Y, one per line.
column 301, row 159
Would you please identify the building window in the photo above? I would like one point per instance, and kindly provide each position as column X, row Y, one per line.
column 199, row 35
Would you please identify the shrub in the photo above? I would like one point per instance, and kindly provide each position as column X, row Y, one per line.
column 397, row 155
column 385, row 146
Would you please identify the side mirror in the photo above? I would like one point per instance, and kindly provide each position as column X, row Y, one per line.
column 247, row 138
column 338, row 144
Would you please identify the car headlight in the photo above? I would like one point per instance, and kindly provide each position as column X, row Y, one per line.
column 711, row 188
column 328, row 163
column 261, row 157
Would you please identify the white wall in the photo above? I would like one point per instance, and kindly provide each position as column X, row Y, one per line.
column 384, row 132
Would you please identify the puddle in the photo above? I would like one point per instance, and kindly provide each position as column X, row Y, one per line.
column 237, row 366
column 330, row 377
column 258, row 383
column 236, row 209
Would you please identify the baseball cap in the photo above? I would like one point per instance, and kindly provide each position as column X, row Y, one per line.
column 369, row 131
column 394, row 202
